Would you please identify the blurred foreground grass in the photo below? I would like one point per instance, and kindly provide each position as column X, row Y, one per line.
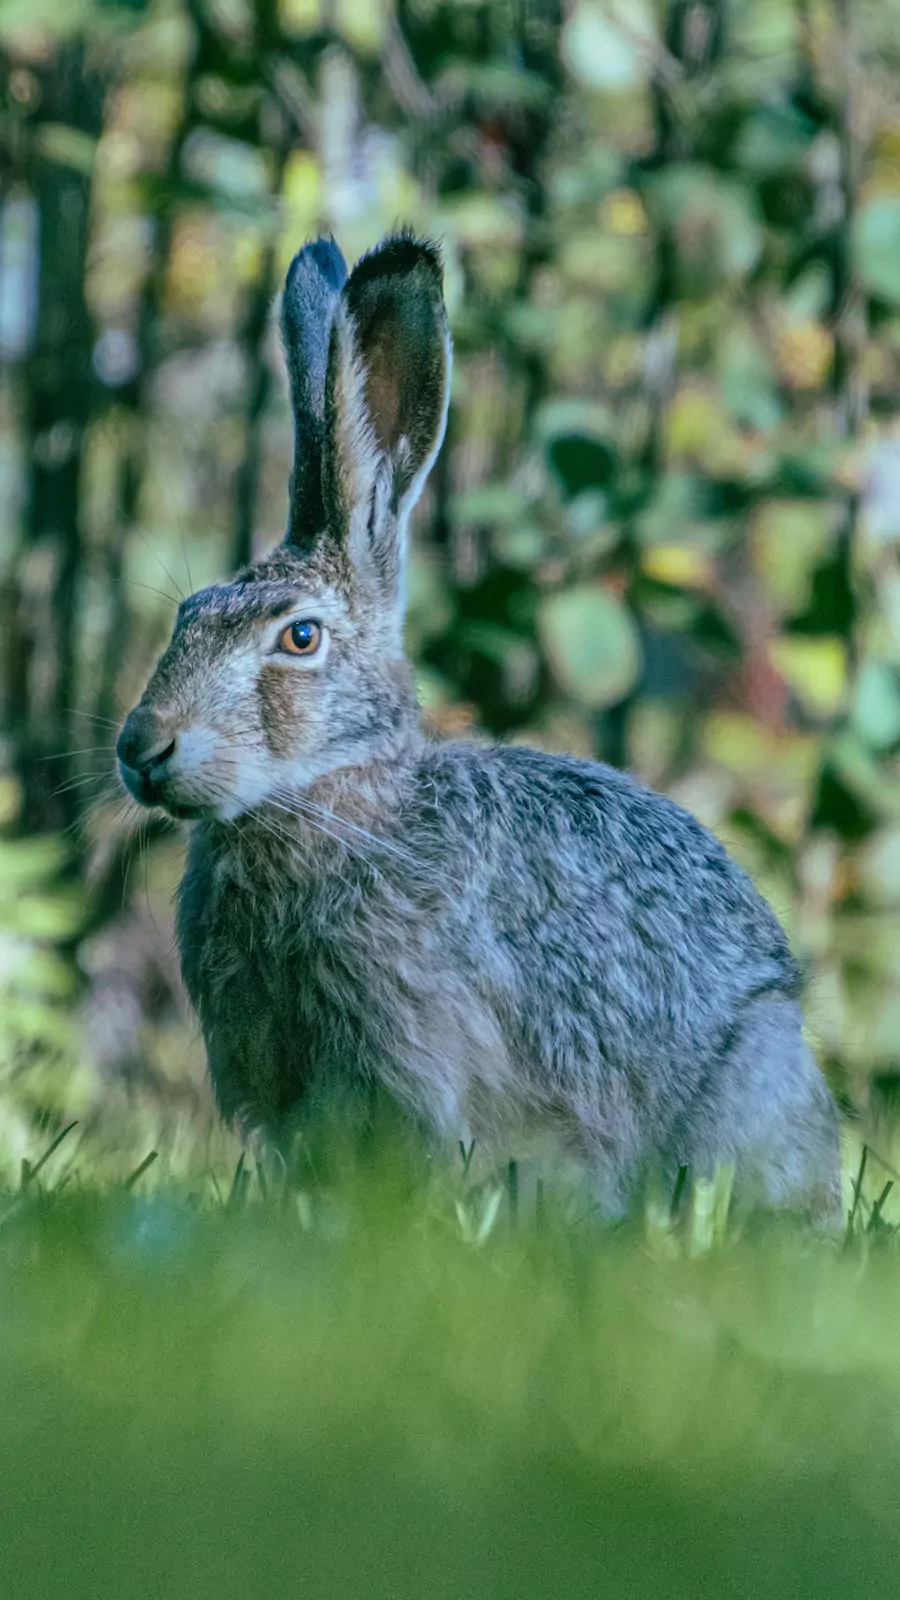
column 215, row 1385
column 214, row 1389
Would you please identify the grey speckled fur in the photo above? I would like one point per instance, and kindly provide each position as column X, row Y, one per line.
column 507, row 943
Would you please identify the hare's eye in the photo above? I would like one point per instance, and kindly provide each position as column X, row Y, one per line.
column 301, row 638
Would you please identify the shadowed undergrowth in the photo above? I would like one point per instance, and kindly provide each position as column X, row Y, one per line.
column 409, row 1389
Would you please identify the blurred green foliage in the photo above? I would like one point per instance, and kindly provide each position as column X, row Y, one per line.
column 663, row 530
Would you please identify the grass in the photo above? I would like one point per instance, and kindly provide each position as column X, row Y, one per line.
column 217, row 1385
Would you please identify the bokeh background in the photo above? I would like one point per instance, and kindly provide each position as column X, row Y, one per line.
column 664, row 529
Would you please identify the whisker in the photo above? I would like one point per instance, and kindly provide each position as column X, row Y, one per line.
column 308, row 814
column 90, row 750
column 311, row 806
column 280, row 833
column 187, row 564
column 135, row 583
column 79, row 783
column 176, row 586
column 73, row 711
column 96, row 806
column 93, row 805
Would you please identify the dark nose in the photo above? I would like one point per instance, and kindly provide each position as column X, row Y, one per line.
column 142, row 744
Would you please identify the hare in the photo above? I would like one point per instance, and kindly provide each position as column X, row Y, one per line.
column 500, row 941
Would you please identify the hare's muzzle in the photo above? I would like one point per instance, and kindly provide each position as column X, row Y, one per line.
column 145, row 751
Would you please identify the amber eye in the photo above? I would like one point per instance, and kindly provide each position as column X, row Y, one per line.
column 301, row 638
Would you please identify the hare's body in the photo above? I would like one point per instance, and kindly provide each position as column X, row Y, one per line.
column 525, row 943
column 502, row 942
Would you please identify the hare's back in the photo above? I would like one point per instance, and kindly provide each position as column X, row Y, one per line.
column 603, row 899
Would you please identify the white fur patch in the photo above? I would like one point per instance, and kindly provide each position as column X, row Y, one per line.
column 198, row 747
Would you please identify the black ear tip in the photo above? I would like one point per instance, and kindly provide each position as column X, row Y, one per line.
column 402, row 253
column 414, row 250
column 320, row 261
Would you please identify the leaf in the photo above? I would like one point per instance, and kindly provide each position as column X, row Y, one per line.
column 878, row 869
column 521, row 546
column 774, row 139
column 876, row 705
column 299, row 18
column 24, row 20
column 36, row 972
column 494, row 87
column 363, row 26
column 588, row 525
column 815, row 669
column 34, row 1022
column 24, row 863
column 715, row 222
column 67, row 147
column 476, row 1229
column 789, row 539
column 489, row 505
column 864, row 777
column 606, row 263
column 747, row 376
column 605, row 53
column 47, row 916
column 591, row 643
column 587, row 178
column 677, row 502
column 483, row 221
column 876, row 242
column 562, row 416
column 228, row 167
column 489, row 1215
column 581, row 463
column 699, row 430
column 680, row 565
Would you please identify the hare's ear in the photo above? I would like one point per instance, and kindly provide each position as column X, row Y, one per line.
column 386, row 398
column 314, row 282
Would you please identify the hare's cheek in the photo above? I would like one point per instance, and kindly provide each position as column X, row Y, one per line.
column 252, row 783
column 285, row 694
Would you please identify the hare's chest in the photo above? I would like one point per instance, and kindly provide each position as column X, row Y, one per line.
column 299, row 991
column 329, row 987
column 283, row 959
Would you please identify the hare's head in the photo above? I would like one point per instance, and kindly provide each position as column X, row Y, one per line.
column 296, row 668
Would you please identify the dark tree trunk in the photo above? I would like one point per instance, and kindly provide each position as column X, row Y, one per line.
column 44, row 607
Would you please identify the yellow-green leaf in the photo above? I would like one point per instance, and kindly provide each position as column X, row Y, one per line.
column 591, row 643
column 815, row 670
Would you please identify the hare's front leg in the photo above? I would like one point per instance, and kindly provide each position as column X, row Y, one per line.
column 245, row 1059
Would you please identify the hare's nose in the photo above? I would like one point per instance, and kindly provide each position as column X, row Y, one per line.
column 142, row 744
